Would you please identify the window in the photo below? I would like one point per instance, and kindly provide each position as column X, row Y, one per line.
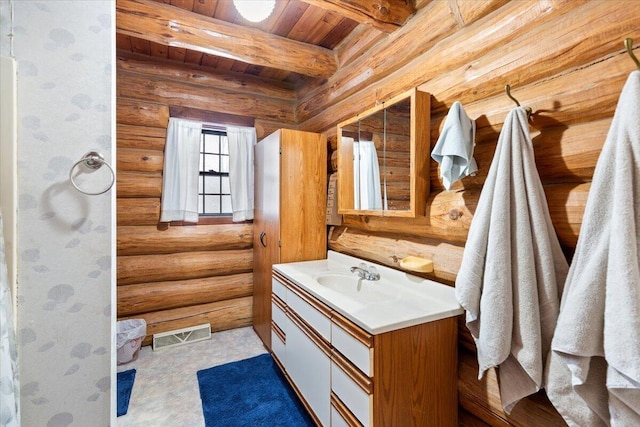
column 214, row 192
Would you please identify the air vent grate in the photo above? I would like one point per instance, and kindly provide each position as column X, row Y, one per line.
column 181, row 336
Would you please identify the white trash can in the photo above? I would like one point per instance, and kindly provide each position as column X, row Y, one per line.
column 129, row 338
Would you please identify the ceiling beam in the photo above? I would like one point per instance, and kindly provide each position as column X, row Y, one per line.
column 172, row 26
column 385, row 15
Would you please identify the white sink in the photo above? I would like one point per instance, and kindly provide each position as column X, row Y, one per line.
column 395, row 301
column 353, row 286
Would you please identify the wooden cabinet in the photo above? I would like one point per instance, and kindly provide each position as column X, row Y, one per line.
column 396, row 182
column 289, row 216
column 406, row 377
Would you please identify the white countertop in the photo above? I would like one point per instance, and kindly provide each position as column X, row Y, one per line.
column 398, row 300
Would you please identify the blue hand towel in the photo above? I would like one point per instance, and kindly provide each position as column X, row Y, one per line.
column 454, row 149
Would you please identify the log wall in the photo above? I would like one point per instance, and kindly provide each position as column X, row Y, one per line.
column 171, row 276
column 148, row 87
column 564, row 59
column 179, row 276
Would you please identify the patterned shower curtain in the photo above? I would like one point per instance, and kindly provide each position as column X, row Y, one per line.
column 9, row 385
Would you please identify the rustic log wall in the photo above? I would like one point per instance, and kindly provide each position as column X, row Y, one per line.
column 564, row 59
column 171, row 276
column 181, row 276
column 158, row 84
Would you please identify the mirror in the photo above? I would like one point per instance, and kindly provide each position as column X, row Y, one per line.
column 383, row 158
column 364, row 140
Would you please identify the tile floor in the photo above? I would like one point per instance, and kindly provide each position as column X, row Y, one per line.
column 165, row 391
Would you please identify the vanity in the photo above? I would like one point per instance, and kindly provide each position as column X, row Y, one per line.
column 364, row 352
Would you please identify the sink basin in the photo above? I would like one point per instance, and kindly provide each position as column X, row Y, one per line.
column 397, row 300
column 352, row 286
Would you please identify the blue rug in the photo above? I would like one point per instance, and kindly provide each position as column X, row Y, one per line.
column 125, row 385
column 251, row 392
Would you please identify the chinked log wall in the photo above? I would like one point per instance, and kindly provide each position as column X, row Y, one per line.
column 565, row 59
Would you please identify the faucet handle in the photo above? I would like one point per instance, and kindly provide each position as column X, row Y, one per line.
column 372, row 273
column 363, row 266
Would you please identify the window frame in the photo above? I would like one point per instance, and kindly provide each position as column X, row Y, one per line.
column 207, row 116
column 219, row 175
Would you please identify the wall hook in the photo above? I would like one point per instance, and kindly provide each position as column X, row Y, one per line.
column 507, row 89
column 628, row 43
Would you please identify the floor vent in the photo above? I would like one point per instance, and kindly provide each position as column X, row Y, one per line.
column 181, row 336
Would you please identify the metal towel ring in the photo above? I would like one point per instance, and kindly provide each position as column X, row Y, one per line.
column 92, row 160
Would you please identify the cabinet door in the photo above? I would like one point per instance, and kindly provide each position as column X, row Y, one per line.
column 303, row 187
column 266, row 231
column 309, row 366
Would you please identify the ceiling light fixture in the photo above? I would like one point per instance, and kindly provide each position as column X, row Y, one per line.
column 254, row 10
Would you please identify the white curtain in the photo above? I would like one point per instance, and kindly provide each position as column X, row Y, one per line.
column 9, row 383
column 181, row 171
column 241, row 142
column 366, row 169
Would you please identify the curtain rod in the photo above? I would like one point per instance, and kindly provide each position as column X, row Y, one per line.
column 214, row 127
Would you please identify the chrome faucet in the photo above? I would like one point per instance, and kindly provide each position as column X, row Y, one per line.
column 365, row 273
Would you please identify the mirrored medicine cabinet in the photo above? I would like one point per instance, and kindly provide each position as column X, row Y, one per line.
column 383, row 158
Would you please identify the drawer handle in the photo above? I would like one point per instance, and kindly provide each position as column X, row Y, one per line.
column 262, row 236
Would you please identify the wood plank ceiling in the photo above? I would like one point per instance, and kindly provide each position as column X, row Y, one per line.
column 298, row 44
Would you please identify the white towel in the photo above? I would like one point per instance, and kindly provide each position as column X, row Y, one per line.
column 454, row 149
column 594, row 375
column 513, row 268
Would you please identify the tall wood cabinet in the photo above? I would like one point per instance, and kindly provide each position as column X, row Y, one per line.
column 289, row 211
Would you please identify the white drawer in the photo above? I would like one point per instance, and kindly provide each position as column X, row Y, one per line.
column 336, row 418
column 340, row 414
column 358, row 353
column 315, row 318
column 279, row 348
column 279, row 289
column 278, row 317
column 359, row 402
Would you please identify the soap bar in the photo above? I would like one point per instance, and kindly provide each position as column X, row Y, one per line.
column 415, row 263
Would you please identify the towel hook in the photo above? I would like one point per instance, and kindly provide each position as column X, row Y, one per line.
column 507, row 89
column 628, row 43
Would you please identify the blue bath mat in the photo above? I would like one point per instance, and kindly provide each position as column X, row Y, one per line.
column 125, row 385
column 250, row 392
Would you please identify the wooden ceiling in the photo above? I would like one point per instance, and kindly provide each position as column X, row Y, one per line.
column 298, row 43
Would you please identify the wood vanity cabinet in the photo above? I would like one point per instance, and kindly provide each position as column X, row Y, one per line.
column 289, row 211
column 347, row 377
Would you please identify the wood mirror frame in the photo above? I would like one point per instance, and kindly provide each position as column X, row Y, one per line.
column 402, row 141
